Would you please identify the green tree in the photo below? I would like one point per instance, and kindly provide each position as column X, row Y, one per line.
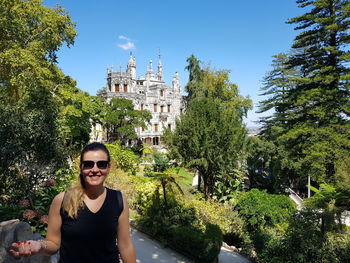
column 276, row 85
column 30, row 36
column 314, row 135
column 121, row 120
column 31, row 148
column 210, row 136
column 269, row 166
column 78, row 111
column 195, row 76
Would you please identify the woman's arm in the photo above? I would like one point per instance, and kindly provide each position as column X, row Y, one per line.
column 125, row 245
column 52, row 241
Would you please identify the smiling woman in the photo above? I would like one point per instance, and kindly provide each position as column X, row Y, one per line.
column 86, row 212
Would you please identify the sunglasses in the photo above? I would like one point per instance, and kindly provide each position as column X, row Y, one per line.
column 86, row 165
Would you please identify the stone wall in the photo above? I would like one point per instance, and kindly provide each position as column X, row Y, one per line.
column 12, row 231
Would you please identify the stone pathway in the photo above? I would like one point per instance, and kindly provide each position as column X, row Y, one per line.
column 149, row 251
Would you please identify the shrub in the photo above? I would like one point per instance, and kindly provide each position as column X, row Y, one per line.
column 176, row 224
column 35, row 210
column 260, row 209
column 203, row 246
column 304, row 242
column 183, row 221
column 231, row 225
column 337, row 248
column 124, row 158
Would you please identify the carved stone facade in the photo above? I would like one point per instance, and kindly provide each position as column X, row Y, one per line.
column 147, row 93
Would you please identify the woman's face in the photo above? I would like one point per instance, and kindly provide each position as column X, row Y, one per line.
column 94, row 168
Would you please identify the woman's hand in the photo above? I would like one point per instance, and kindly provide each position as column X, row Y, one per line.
column 25, row 248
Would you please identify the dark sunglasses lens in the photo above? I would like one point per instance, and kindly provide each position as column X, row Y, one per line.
column 88, row 164
column 102, row 164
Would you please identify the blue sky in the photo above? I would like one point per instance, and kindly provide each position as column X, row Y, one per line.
column 241, row 36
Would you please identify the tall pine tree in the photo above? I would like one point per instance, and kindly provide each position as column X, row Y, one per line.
column 315, row 135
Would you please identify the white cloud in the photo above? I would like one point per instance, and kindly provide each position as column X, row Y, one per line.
column 128, row 43
column 124, row 38
column 127, row 46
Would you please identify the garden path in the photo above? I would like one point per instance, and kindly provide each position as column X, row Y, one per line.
column 151, row 251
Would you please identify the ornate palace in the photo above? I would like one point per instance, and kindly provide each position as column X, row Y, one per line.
column 147, row 93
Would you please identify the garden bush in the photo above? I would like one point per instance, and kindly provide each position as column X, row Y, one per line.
column 202, row 246
column 231, row 225
column 304, row 242
column 124, row 158
column 34, row 210
column 188, row 217
column 260, row 209
column 176, row 225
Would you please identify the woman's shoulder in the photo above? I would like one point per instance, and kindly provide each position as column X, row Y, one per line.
column 117, row 195
column 58, row 199
column 114, row 190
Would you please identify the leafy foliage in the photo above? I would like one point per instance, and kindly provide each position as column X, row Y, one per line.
column 309, row 92
column 304, row 242
column 175, row 224
column 31, row 34
column 35, row 211
column 124, row 158
column 120, row 119
column 78, row 111
column 31, row 151
column 210, row 137
column 260, row 209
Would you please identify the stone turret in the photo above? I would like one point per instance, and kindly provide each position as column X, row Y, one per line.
column 160, row 70
column 150, row 74
column 176, row 83
column 131, row 67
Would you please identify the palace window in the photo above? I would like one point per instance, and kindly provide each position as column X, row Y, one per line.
column 142, row 107
column 162, row 108
column 161, row 93
column 156, row 127
column 155, row 107
column 155, row 141
column 169, row 106
column 125, row 88
column 116, row 87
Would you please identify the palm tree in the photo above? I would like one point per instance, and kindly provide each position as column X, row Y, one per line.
column 167, row 177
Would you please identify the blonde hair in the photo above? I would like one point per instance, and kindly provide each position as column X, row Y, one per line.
column 74, row 196
column 73, row 199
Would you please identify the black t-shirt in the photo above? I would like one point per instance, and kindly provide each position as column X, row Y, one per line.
column 91, row 238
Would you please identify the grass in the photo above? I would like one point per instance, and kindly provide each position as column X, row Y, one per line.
column 186, row 177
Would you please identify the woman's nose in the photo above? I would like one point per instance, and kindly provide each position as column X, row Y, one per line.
column 95, row 168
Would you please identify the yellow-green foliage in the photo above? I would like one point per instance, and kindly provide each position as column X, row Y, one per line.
column 118, row 179
column 124, row 158
column 214, row 213
column 144, row 194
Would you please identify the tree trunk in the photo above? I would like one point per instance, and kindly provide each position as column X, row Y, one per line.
column 199, row 181
column 206, row 188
